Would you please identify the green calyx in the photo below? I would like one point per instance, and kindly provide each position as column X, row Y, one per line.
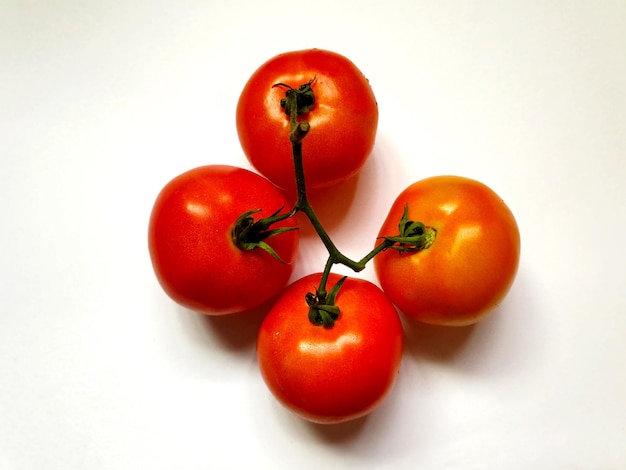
column 322, row 308
column 413, row 237
column 304, row 98
column 249, row 234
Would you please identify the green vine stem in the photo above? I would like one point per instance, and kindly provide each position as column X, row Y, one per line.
column 412, row 236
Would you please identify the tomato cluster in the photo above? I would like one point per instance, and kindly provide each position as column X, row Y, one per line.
column 223, row 240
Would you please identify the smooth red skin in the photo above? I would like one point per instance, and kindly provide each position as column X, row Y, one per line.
column 471, row 265
column 192, row 251
column 343, row 120
column 331, row 375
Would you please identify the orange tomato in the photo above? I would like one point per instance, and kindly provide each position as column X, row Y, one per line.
column 472, row 262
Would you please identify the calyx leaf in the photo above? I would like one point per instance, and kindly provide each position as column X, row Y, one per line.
column 248, row 234
column 413, row 236
column 304, row 97
column 322, row 308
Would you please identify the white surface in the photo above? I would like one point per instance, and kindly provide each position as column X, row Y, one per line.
column 101, row 103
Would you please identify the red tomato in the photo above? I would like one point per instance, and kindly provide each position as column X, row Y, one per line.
column 472, row 262
column 330, row 375
column 343, row 118
column 191, row 242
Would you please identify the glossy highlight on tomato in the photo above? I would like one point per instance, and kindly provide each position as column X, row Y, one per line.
column 470, row 266
column 343, row 118
column 190, row 239
column 336, row 374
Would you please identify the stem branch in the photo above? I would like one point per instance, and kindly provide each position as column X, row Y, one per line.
column 412, row 235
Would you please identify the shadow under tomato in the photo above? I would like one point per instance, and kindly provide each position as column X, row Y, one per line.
column 330, row 205
column 438, row 343
column 238, row 331
column 340, row 433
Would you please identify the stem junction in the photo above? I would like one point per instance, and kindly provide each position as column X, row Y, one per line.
column 412, row 237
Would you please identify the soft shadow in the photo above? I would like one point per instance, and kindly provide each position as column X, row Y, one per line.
column 338, row 434
column 238, row 331
column 330, row 205
column 438, row 343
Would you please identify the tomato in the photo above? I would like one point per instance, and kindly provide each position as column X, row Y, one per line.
column 343, row 118
column 192, row 249
column 471, row 263
column 330, row 375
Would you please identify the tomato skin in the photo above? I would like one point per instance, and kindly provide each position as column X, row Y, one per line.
column 190, row 240
column 331, row 375
column 343, row 119
column 472, row 263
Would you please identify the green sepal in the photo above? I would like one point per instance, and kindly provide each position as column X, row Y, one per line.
column 323, row 311
column 248, row 234
column 305, row 98
column 413, row 236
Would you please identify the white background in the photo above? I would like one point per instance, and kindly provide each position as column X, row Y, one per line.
column 101, row 103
